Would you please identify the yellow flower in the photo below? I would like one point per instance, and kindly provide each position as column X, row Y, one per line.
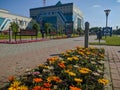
column 75, row 58
column 101, row 55
column 103, row 81
column 23, row 88
column 78, row 80
column 13, row 88
column 81, row 53
column 62, row 61
column 15, row 84
column 47, row 67
column 69, row 59
column 88, row 53
column 66, row 71
column 72, row 73
column 67, row 55
column 84, row 70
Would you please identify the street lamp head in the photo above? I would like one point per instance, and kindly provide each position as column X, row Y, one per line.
column 107, row 11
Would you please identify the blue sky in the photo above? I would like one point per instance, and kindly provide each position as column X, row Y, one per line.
column 93, row 10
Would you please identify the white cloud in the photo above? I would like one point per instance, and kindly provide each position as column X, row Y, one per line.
column 118, row 1
column 96, row 6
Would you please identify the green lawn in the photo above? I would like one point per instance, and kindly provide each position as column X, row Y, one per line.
column 3, row 36
column 57, row 36
column 113, row 41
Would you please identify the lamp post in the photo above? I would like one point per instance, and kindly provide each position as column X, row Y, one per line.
column 107, row 11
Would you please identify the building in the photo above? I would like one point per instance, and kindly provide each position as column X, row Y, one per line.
column 6, row 17
column 66, row 16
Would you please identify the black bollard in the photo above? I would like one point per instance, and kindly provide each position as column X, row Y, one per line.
column 86, row 34
column 10, row 35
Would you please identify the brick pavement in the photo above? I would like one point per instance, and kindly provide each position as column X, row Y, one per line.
column 23, row 56
column 15, row 59
column 113, row 54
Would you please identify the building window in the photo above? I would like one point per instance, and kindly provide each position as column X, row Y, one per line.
column 48, row 13
column 44, row 13
column 52, row 12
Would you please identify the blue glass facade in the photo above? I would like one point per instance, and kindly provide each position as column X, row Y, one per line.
column 1, row 20
column 58, row 15
column 68, row 16
column 3, row 23
column 51, row 19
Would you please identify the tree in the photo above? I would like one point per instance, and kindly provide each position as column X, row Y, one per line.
column 14, row 27
column 61, row 30
column 94, row 29
column 48, row 27
column 80, row 31
column 117, row 32
column 35, row 25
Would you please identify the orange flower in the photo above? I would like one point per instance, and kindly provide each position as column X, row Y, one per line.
column 62, row 65
column 37, row 80
column 37, row 88
column 57, row 79
column 11, row 78
column 54, row 78
column 52, row 59
column 46, row 89
column 68, row 51
column 40, row 88
column 74, row 88
column 70, row 67
column 47, row 85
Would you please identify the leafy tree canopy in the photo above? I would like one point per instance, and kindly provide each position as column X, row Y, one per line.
column 35, row 25
column 14, row 27
column 94, row 29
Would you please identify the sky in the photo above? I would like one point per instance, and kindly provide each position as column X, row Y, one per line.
column 93, row 10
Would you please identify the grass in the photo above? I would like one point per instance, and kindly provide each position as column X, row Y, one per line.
column 3, row 36
column 6, row 37
column 112, row 41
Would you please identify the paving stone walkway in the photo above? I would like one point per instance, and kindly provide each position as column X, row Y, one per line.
column 16, row 58
column 113, row 54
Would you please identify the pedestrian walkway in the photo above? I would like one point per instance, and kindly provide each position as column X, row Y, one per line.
column 113, row 54
column 16, row 58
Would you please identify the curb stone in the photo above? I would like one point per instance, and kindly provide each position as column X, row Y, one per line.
column 107, row 74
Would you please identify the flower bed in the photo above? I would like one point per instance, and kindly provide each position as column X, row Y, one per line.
column 76, row 69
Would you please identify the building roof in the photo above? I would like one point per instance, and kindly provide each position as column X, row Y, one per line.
column 4, row 10
column 59, row 4
column 7, row 12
